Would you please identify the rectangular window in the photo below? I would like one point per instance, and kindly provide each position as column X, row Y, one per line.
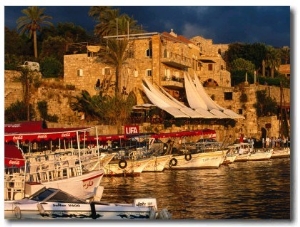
column 210, row 67
column 240, row 111
column 148, row 72
column 149, row 53
column 227, row 95
column 107, row 71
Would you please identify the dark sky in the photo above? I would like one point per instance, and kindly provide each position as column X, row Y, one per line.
column 223, row 24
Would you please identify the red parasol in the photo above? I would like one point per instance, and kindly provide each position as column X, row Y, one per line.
column 13, row 156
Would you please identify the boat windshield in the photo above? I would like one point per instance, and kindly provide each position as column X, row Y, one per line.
column 42, row 194
column 55, row 195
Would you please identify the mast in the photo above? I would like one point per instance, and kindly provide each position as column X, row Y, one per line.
column 281, row 112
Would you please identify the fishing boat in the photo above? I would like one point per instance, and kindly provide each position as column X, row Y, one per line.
column 229, row 158
column 53, row 203
column 281, row 153
column 260, row 155
column 201, row 160
column 245, row 152
column 157, row 163
column 240, row 151
column 24, row 177
column 127, row 163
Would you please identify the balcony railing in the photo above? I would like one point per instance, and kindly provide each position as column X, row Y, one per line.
column 172, row 81
column 176, row 60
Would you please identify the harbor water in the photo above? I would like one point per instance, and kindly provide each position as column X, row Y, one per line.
column 243, row 190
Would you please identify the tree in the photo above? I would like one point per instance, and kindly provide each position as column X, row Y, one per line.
column 110, row 110
column 285, row 55
column 26, row 80
column 254, row 53
column 241, row 64
column 110, row 22
column 54, row 46
column 116, row 55
column 16, row 48
column 87, row 105
column 51, row 67
column 265, row 105
column 272, row 59
column 106, row 18
column 16, row 112
column 32, row 22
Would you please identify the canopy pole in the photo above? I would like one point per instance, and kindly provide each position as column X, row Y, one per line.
column 97, row 142
column 97, row 147
column 78, row 145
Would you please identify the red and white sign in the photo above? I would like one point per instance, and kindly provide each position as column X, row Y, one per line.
column 131, row 129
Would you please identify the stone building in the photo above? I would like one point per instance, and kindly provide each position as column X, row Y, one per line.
column 164, row 58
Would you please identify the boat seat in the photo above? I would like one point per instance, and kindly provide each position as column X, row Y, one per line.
column 72, row 167
column 51, row 172
column 34, row 172
column 16, row 188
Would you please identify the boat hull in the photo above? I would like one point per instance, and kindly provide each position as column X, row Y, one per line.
column 229, row 159
column 157, row 164
column 283, row 153
column 95, row 210
column 127, row 167
column 206, row 160
column 82, row 186
column 258, row 156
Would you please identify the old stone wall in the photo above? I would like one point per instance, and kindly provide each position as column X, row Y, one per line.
column 58, row 99
column 82, row 71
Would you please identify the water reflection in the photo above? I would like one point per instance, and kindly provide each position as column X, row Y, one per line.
column 246, row 190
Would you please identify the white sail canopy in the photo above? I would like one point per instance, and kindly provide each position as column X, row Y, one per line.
column 175, row 112
column 196, row 101
column 171, row 101
column 201, row 105
column 214, row 107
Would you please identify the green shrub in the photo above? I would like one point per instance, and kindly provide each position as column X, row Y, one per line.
column 51, row 67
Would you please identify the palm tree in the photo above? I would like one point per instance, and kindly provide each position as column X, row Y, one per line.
column 272, row 59
column 116, row 55
column 87, row 105
column 106, row 18
column 26, row 80
column 110, row 110
column 32, row 22
column 110, row 22
column 285, row 55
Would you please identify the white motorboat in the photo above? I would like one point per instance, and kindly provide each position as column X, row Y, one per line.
column 52, row 203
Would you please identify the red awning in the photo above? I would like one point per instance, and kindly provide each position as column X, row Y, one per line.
column 40, row 136
column 29, row 126
column 205, row 132
column 37, row 131
column 13, row 156
column 105, row 137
